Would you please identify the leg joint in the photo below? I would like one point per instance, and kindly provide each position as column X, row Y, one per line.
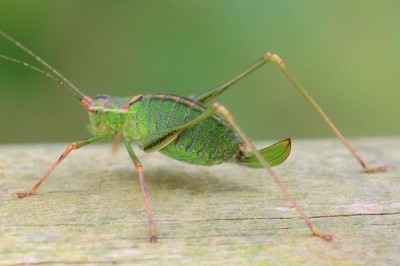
column 271, row 57
column 221, row 109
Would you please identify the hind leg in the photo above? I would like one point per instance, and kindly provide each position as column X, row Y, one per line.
column 270, row 57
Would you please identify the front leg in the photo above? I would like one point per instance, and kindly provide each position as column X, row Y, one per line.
column 73, row 146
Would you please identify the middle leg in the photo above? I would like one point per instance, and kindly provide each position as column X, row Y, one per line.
column 139, row 168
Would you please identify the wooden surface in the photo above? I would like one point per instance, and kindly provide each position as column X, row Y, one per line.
column 91, row 210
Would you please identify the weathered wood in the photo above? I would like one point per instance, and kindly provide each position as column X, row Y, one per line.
column 91, row 210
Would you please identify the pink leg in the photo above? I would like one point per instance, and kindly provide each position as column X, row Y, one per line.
column 139, row 168
column 73, row 146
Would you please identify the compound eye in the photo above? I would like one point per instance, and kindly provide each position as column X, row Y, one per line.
column 104, row 97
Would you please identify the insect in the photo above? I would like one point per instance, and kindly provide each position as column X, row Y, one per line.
column 185, row 129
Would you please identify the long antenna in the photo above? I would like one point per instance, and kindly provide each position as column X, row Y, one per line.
column 34, row 68
column 58, row 77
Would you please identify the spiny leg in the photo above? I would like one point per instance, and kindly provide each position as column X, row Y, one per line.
column 270, row 57
column 214, row 93
column 73, row 146
column 139, row 168
column 217, row 108
column 223, row 111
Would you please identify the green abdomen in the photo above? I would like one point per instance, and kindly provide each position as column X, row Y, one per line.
column 210, row 142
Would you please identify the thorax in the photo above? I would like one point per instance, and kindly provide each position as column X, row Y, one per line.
column 108, row 114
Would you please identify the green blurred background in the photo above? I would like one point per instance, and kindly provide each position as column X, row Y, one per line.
column 347, row 53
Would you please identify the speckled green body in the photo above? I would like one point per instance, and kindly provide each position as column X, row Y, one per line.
column 147, row 117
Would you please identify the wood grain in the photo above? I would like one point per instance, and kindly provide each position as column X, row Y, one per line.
column 91, row 211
